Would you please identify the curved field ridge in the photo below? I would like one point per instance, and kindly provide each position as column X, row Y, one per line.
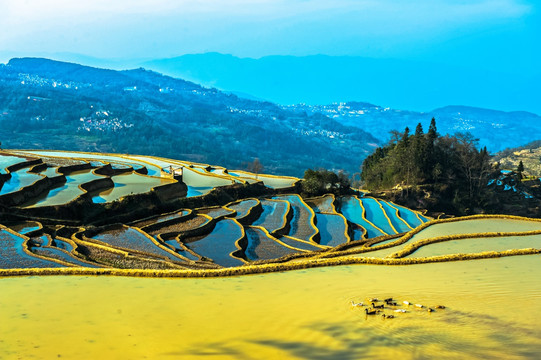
column 265, row 268
column 19, row 180
column 14, row 252
column 332, row 228
column 323, row 204
column 221, row 244
column 475, row 245
column 274, row 215
column 352, row 208
column 127, row 184
column 243, row 207
column 127, row 238
column 302, row 225
column 238, row 226
column 375, row 214
column 263, row 246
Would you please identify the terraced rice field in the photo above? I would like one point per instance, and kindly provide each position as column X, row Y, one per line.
column 182, row 226
column 332, row 229
column 354, row 212
column 274, row 215
column 153, row 170
column 262, row 247
column 161, row 219
column 128, row 184
column 9, row 160
column 220, row 244
column 19, row 179
column 132, row 239
column 50, row 172
column 337, row 250
column 67, row 192
column 216, row 212
column 12, row 254
column 477, row 245
column 324, row 204
column 302, row 224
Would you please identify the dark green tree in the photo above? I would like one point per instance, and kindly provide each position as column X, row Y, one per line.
column 520, row 169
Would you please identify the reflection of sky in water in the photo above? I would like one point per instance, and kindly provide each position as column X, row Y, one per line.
column 152, row 170
column 18, row 180
column 128, row 184
column 352, row 210
column 6, row 161
column 374, row 213
column 66, row 192
column 196, row 191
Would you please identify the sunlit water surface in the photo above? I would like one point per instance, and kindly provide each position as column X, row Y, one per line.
column 493, row 310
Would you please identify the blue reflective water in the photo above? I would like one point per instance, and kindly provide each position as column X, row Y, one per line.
column 18, row 180
column 352, row 210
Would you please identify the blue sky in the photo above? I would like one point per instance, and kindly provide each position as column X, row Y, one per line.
column 497, row 35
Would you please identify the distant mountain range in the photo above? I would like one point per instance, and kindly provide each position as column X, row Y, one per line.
column 58, row 105
column 321, row 79
column 497, row 130
column 51, row 104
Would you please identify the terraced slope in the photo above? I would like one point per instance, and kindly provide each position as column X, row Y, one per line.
column 163, row 214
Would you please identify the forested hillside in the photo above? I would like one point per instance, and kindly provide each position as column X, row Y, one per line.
column 448, row 174
column 49, row 104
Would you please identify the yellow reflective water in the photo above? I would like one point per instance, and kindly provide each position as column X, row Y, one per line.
column 493, row 307
column 127, row 184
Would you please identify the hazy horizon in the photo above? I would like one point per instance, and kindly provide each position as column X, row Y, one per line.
column 500, row 37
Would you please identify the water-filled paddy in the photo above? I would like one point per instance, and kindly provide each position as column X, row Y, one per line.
column 274, row 182
column 19, row 179
column 130, row 238
column 410, row 216
column 243, row 207
column 303, row 217
column 262, row 247
column 67, row 192
column 398, row 223
column 216, row 212
column 376, row 215
column 8, row 160
column 130, row 160
column 332, row 229
column 60, row 254
column 201, row 184
column 50, row 172
column 127, row 184
column 322, row 204
column 299, row 244
column 476, row 245
column 273, row 216
column 219, row 244
column 160, row 219
column 301, row 314
column 476, row 226
column 13, row 256
column 351, row 208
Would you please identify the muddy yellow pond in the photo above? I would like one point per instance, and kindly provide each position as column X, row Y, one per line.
column 493, row 311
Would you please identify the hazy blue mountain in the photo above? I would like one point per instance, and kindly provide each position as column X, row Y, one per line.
column 58, row 105
column 496, row 130
column 323, row 79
